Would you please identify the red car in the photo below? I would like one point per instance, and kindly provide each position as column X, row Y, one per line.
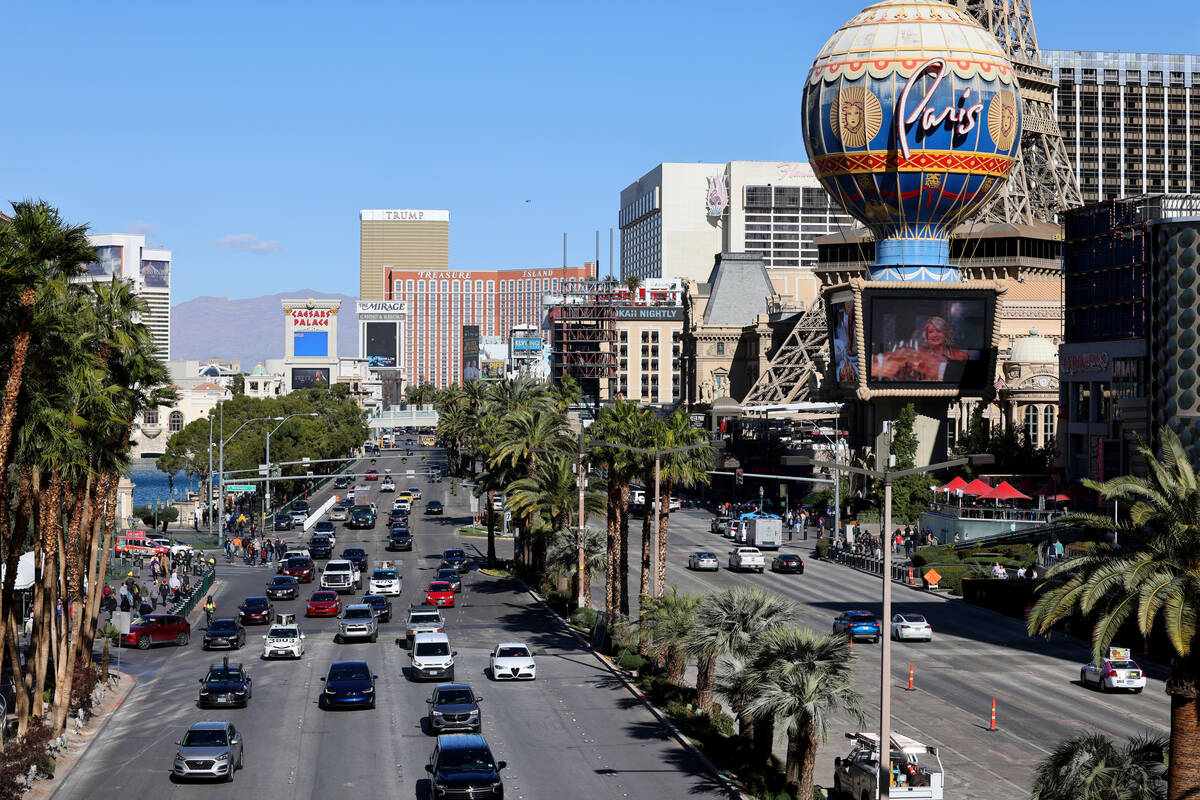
column 157, row 629
column 440, row 593
column 323, row 604
column 372, row 475
column 300, row 568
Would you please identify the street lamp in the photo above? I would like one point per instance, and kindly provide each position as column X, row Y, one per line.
column 883, row 456
column 221, row 468
column 267, row 496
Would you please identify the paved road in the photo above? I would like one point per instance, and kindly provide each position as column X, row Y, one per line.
column 976, row 655
column 573, row 727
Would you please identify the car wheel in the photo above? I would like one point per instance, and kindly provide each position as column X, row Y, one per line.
column 372, row 706
column 204, row 645
column 876, row 640
column 321, row 702
column 450, row 677
column 229, row 775
column 337, row 638
column 801, row 571
column 143, row 642
column 1104, row 687
column 1083, row 677
column 374, row 638
column 182, row 639
column 1137, row 690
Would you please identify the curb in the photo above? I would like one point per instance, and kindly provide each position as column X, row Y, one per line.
column 60, row 777
column 725, row 781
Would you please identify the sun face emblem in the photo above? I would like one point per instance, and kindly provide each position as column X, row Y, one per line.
column 1002, row 120
column 855, row 116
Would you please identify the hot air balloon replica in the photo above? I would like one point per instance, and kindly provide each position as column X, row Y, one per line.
column 912, row 121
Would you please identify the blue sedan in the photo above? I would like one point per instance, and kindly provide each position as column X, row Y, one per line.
column 858, row 625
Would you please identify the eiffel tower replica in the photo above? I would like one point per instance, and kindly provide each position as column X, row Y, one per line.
column 1040, row 187
column 1042, row 184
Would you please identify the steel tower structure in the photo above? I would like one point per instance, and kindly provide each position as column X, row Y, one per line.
column 1042, row 183
column 1040, row 187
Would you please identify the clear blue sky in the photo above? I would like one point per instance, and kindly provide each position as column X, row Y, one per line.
column 246, row 136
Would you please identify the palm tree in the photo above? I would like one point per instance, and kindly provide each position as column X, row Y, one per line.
column 552, row 492
column 803, row 677
column 683, row 469
column 1091, row 767
column 668, row 619
column 1152, row 575
column 729, row 622
column 614, row 424
column 633, row 283
column 526, row 435
column 562, row 559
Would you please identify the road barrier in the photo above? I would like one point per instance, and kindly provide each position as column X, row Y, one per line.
column 911, row 675
column 185, row 605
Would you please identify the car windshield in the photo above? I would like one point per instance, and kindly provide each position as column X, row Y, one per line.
column 297, row 563
column 333, row 566
column 512, row 652
column 255, row 602
column 1122, row 665
column 424, row 619
column 222, row 625
column 377, row 600
column 283, row 580
column 354, row 551
column 433, row 649
column 383, row 575
column 705, row 555
column 349, row 672
column 324, row 525
column 447, row 574
column 363, row 509
column 358, row 613
column 324, row 597
column 915, row 618
column 465, row 760
column 319, row 539
column 223, row 674
column 454, row 697
column 285, row 633
column 204, row 737
column 439, row 586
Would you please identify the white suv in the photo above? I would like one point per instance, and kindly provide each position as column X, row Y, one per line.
column 341, row 576
column 385, row 579
column 357, row 622
column 432, row 658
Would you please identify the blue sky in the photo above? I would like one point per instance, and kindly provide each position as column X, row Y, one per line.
column 246, row 136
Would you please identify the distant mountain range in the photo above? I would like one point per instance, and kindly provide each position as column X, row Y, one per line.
column 249, row 329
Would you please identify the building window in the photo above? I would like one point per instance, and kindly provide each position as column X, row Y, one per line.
column 150, row 416
column 1031, row 424
column 720, row 348
column 1048, row 426
column 175, row 422
column 951, row 434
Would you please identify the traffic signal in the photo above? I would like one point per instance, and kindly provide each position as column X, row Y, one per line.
column 739, row 477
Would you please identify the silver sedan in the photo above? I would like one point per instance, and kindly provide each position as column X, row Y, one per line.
column 703, row 559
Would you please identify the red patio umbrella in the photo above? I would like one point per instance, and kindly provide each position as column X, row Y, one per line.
column 977, row 487
column 954, row 485
column 1004, row 491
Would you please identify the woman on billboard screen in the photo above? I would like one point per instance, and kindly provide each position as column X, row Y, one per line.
column 932, row 349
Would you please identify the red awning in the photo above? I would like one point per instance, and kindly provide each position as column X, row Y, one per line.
column 1004, row 491
column 977, row 487
column 954, row 485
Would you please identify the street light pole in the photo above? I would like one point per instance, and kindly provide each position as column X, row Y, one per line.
column 582, row 565
column 655, row 588
column 221, row 467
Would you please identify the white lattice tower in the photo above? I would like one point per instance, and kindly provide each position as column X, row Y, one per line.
column 1042, row 183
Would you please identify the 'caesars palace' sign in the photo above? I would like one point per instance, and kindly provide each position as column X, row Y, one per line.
column 312, row 317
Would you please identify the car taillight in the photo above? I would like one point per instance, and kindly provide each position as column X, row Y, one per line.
column 1110, row 673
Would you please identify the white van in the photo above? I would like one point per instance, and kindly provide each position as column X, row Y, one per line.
column 431, row 657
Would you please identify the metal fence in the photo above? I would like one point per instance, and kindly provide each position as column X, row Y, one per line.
column 184, row 606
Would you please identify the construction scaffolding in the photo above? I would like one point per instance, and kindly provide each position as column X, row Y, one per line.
column 583, row 339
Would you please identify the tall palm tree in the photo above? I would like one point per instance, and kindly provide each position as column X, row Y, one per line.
column 1091, row 766
column 729, row 622
column 677, row 470
column 669, row 620
column 1152, row 576
column 526, row 436
column 649, row 433
column 562, row 559
column 614, row 424
column 803, row 678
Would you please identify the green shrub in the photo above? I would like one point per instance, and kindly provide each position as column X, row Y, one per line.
column 584, row 618
column 632, row 662
column 952, row 575
column 822, row 548
column 722, row 722
column 937, row 554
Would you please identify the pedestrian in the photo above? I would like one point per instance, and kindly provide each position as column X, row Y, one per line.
column 175, row 584
column 135, row 599
column 1021, row 572
column 163, row 591
column 1033, row 573
column 106, row 597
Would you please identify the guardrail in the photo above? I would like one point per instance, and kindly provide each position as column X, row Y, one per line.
column 184, row 606
column 901, row 573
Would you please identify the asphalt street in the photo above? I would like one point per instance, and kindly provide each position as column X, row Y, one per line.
column 574, row 730
column 975, row 655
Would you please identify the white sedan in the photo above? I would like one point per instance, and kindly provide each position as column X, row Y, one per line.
column 911, row 627
column 283, row 641
column 703, row 559
column 1114, row 673
column 512, row 661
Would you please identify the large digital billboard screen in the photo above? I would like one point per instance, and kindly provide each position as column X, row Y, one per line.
column 107, row 263
column 309, row 378
column 310, row 344
column 527, row 344
column 929, row 338
column 844, row 339
column 381, row 344
column 470, row 353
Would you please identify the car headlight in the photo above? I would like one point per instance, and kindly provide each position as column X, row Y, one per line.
column 368, row 690
column 438, row 714
column 223, row 757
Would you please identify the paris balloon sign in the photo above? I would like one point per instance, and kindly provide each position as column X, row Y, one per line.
column 912, row 120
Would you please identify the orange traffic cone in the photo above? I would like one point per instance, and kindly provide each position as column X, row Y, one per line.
column 992, row 727
column 910, row 676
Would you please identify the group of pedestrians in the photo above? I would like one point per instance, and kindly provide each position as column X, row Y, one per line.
column 909, row 539
column 255, row 550
column 143, row 598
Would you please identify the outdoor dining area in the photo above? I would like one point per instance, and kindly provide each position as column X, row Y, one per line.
column 965, row 510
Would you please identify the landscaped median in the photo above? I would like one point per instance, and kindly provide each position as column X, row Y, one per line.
column 733, row 757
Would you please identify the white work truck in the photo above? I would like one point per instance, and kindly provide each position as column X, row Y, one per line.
column 916, row 769
column 746, row 558
column 765, row 533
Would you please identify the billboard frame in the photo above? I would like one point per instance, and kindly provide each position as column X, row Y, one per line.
column 857, row 286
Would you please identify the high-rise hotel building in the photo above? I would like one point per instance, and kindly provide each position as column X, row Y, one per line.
column 1130, row 121
column 404, row 256
column 148, row 269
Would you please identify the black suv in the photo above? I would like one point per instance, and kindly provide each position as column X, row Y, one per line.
column 462, row 766
column 224, row 633
column 399, row 540
column 320, row 546
column 454, row 707
column 382, row 606
column 225, row 686
column 361, row 517
column 341, row 482
column 356, row 556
